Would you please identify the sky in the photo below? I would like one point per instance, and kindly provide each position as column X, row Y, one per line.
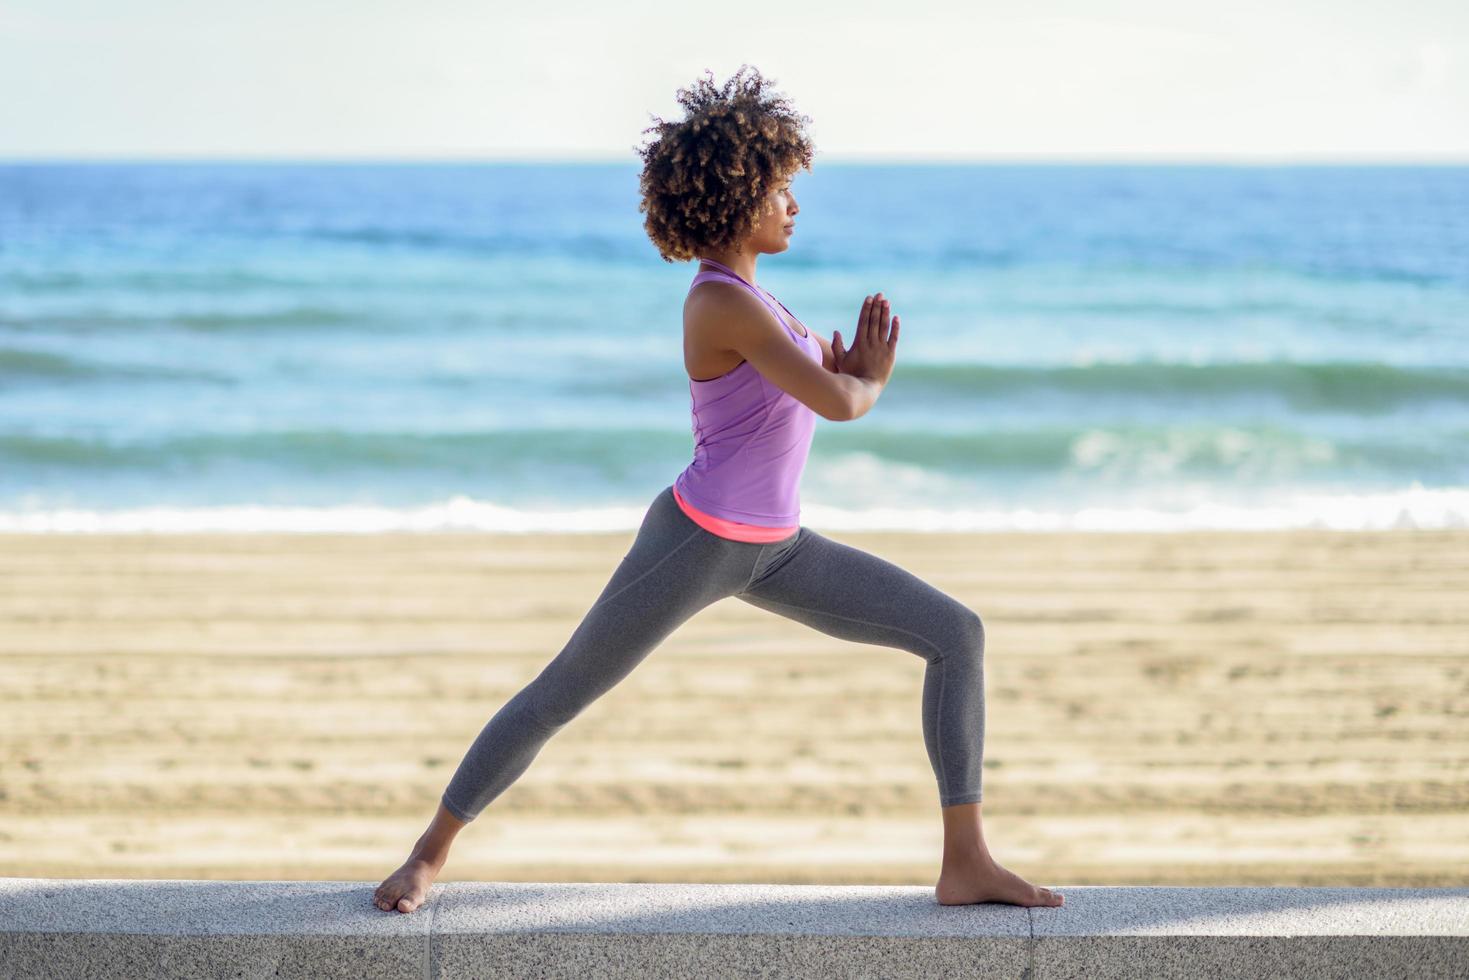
column 1145, row 80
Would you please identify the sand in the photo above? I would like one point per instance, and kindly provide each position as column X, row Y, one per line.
column 1279, row 708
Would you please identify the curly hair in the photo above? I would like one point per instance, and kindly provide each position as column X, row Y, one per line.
column 705, row 177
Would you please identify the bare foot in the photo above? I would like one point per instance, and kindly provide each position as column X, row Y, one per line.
column 967, row 882
column 406, row 888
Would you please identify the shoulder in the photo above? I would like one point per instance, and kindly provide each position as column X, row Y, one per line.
column 716, row 294
column 726, row 307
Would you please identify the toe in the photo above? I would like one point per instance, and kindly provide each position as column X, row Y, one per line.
column 406, row 904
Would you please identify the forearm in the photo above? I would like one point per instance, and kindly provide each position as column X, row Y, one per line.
column 862, row 394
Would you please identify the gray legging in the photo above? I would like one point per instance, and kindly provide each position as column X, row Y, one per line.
column 674, row 569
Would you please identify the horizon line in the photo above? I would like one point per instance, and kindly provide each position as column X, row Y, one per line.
column 837, row 160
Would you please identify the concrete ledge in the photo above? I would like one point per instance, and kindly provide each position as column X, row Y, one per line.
column 65, row 927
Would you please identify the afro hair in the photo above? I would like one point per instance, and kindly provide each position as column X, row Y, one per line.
column 705, row 177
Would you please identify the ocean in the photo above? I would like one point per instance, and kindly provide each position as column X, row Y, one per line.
column 304, row 346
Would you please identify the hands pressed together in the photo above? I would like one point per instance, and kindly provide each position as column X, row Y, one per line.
column 873, row 346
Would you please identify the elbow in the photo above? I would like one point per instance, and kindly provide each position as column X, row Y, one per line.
column 851, row 400
column 842, row 408
column 848, row 399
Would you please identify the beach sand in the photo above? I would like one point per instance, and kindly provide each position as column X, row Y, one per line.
column 1280, row 708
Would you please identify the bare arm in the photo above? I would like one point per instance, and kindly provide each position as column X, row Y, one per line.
column 828, row 360
column 864, row 394
column 743, row 324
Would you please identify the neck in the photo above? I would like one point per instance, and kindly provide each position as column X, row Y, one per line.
column 743, row 263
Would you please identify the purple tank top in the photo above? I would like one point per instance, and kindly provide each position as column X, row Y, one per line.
column 751, row 439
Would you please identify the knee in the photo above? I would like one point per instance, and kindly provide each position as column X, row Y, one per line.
column 539, row 707
column 957, row 631
column 971, row 629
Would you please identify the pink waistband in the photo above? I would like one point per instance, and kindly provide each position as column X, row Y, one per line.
column 733, row 530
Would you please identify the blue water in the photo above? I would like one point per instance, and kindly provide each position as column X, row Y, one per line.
column 441, row 346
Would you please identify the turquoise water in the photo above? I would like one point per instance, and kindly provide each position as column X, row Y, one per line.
column 498, row 346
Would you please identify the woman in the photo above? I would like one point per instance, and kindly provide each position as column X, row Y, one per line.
column 717, row 186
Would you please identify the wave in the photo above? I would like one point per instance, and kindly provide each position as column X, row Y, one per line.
column 318, row 449
column 1121, row 453
column 1345, row 385
column 67, row 281
column 1412, row 507
column 287, row 318
column 19, row 365
column 573, row 245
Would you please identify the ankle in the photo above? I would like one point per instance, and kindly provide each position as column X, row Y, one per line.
column 968, row 856
column 431, row 854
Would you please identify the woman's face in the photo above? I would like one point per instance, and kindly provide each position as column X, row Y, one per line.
column 773, row 234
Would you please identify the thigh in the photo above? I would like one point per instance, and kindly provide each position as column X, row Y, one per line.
column 673, row 569
column 855, row 595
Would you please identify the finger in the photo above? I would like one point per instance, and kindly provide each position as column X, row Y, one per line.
column 893, row 335
column 870, row 322
column 861, row 321
column 882, row 323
